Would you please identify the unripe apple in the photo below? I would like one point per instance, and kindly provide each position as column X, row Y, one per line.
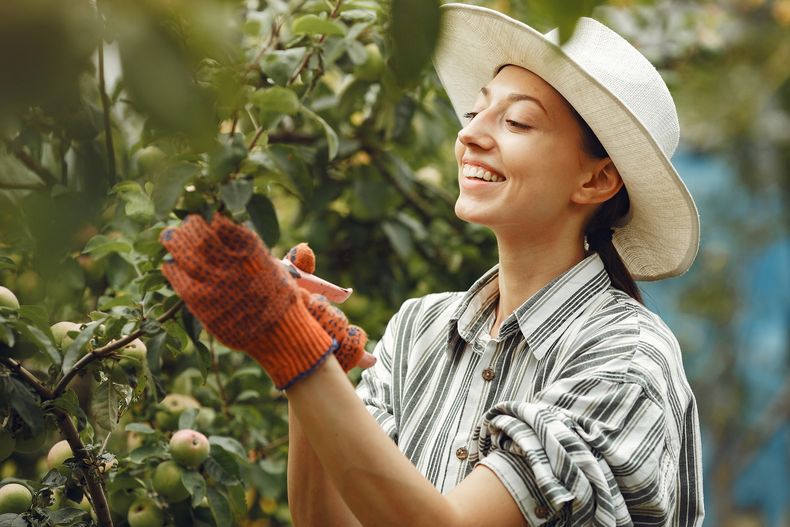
column 133, row 355
column 7, row 444
column 167, row 481
column 8, row 298
column 145, row 512
column 150, row 158
column 371, row 69
column 60, row 330
column 15, row 498
column 173, row 405
column 120, row 500
column 189, row 448
column 60, row 452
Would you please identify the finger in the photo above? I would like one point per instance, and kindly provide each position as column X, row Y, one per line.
column 185, row 237
column 332, row 319
column 352, row 348
column 367, row 360
column 183, row 284
column 303, row 257
column 195, row 248
column 237, row 238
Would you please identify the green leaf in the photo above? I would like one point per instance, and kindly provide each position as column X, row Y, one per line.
column 226, row 158
column 100, row 245
column 140, row 428
column 230, row 445
column 168, row 186
column 139, row 206
column 145, row 452
column 7, row 263
column 223, row 467
column 77, row 347
column 187, row 418
column 315, row 25
column 273, row 103
column 220, row 508
column 7, row 336
column 279, row 65
column 25, row 403
column 399, row 237
column 235, row 194
column 68, row 402
column 331, row 135
column 264, row 219
column 414, row 30
column 109, row 399
column 196, row 485
column 238, row 504
column 40, row 339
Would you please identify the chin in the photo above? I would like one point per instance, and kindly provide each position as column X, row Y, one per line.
column 471, row 214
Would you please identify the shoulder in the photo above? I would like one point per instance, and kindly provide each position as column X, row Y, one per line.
column 433, row 307
column 642, row 348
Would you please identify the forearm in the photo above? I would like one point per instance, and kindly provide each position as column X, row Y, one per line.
column 377, row 482
column 312, row 497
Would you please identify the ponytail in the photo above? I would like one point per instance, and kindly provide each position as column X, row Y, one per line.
column 599, row 238
column 599, row 230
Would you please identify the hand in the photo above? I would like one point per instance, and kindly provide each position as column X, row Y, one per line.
column 245, row 297
column 351, row 351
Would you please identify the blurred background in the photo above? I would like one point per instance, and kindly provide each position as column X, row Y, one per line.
column 323, row 121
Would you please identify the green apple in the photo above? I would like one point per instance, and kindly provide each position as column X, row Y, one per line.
column 171, row 408
column 167, row 481
column 8, row 298
column 60, row 452
column 133, row 355
column 30, row 286
column 149, row 159
column 371, row 69
column 189, row 448
column 121, row 500
column 7, row 444
column 145, row 512
column 15, row 498
column 60, row 330
column 205, row 417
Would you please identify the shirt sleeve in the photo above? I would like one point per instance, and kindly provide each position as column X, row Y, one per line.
column 375, row 386
column 588, row 450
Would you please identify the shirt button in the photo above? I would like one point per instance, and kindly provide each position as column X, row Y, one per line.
column 542, row 512
column 462, row 453
column 488, row 374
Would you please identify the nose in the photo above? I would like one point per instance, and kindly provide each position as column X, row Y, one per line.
column 476, row 133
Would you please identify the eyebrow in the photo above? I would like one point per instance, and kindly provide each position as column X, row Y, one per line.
column 515, row 97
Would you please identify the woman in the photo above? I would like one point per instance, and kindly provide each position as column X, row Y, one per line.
column 547, row 394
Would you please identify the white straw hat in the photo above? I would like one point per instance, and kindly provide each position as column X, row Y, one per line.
column 619, row 94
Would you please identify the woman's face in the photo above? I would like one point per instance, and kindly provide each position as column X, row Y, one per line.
column 520, row 157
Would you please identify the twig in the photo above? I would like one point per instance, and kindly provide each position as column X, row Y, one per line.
column 26, row 376
column 275, row 444
column 105, row 103
column 104, row 351
column 28, row 160
column 257, row 136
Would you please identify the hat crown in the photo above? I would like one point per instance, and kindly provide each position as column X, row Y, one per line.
column 628, row 75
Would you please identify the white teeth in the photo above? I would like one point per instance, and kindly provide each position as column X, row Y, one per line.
column 476, row 172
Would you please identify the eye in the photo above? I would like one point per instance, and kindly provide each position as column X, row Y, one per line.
column 516, row 124
column 469, row 115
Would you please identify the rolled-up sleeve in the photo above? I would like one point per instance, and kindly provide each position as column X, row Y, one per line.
column 585, row 451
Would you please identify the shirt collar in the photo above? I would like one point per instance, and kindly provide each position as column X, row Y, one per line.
column 543, row 317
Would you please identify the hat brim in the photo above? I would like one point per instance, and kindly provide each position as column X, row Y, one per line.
column 661, row 238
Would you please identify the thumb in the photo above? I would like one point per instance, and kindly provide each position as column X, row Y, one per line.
column 303, row 257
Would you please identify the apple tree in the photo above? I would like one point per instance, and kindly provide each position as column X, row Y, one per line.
column 308, row 120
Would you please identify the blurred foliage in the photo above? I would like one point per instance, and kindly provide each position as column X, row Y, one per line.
column 311, row 120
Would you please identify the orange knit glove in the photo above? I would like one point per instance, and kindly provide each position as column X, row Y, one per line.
column 244, row 297
column 351, row 338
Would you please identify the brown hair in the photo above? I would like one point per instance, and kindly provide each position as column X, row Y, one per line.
column 599, row 229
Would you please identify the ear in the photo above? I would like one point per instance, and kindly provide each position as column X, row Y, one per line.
column 599, row 183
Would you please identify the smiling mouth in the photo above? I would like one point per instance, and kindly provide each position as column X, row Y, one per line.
column 476, row 172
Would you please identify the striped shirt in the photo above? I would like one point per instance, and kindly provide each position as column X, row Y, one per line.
column 580, row 405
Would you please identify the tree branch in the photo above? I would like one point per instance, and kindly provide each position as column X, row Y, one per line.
column 27, row 377
column 104, row 351
column 32, row 164
column 93, row 480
